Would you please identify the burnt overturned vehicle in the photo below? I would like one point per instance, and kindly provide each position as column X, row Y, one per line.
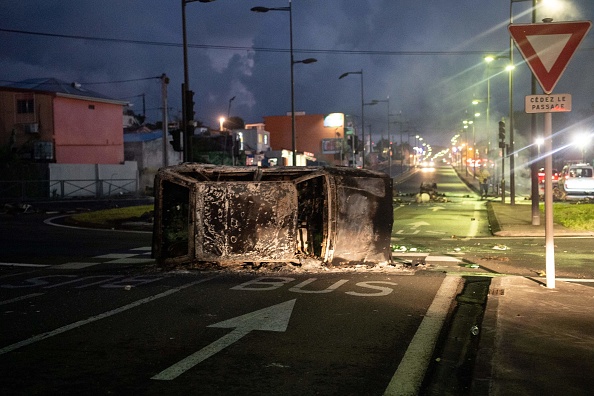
column 230, row 215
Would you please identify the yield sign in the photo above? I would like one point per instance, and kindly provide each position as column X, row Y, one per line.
column 548, row 47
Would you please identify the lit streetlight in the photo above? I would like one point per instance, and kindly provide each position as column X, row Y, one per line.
column 289, row 9
column 539, row 142
column 582, row 140
column 360, row 72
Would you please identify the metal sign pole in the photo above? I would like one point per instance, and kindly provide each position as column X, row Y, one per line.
column 549, row 236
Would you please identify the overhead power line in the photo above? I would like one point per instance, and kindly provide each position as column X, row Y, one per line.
column 243, row 48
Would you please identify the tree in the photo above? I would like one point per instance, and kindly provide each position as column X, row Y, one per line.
column 234, row 123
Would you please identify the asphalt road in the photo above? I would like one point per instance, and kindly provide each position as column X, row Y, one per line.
column 88, row 311
column 112, row 332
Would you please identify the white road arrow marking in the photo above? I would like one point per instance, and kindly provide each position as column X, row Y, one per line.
column 436, row 208
column 418, row 224
column 274, row 318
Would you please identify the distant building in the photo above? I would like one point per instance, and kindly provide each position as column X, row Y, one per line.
column 146, row 148
column 316, row 138
column 255, row 142
column 49, row 120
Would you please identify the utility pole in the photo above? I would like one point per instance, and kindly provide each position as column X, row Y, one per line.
column 164, row 82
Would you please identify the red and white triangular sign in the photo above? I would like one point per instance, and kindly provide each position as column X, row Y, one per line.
column 548, row 47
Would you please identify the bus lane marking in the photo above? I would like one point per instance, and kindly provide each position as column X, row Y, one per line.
column 273, row 283
column 273, row 318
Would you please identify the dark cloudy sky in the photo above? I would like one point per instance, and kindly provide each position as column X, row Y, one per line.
column 425, row 55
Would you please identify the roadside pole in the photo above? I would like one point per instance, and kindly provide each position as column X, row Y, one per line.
column 549, row 233
column 547, row 49
column 165, row 121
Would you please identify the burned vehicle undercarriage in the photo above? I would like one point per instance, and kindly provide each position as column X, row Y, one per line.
column 207, row 214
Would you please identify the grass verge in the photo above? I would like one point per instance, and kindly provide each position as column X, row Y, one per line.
column 111, row 217
column 575, row 216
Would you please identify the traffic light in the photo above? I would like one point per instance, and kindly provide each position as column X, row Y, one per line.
column 176, row 142
column 190, row 108
column 501, row 134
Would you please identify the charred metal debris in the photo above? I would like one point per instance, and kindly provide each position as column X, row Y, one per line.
column 222, row 216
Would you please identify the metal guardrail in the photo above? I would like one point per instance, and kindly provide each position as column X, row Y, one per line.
column 60, row 189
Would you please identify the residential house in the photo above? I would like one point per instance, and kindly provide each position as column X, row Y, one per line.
column 73, row 133
column 146, row 148
column 46, row 119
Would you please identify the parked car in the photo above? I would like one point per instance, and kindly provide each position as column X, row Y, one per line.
column 577, row 180
column 541, row 176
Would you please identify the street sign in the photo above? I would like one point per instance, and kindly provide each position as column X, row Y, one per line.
column 555, row 103
column 548, row 47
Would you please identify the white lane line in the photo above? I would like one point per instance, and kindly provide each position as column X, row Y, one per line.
column 25, row 297
column 24, row 265
column 71, row 326
column 411, row 370
column 474, row 224
column 73, row 265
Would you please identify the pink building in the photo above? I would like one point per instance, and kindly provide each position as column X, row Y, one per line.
column 49, row 120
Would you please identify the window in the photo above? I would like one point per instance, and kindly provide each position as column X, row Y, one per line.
column 25, row 106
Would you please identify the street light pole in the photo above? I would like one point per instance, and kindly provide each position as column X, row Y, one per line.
column 289, row 9
column 343, row 75
column 387, row 102
column 293, row 133
column 165, row 122
column 533, row 165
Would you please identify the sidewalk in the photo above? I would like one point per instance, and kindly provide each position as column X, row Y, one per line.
column 536, row 341
column 533, row 340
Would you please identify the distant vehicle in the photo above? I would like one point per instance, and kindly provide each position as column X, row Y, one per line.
column 541, row 176
column 577, row 180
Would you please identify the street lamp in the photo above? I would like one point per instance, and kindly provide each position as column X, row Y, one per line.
column 187, row 94
column 343, row 75
column 539, row 142
column 387, row 102
column 582, row 140
column 508, row 68
column 372, row 103
column 229, row 108
column 293, row 62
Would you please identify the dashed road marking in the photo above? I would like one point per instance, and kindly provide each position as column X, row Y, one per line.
column 17, row 299
column 95, row 318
